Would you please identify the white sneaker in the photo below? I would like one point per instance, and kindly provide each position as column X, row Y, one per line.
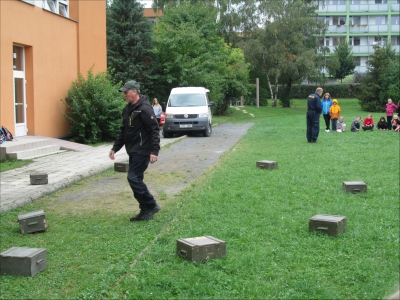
column 327, row 130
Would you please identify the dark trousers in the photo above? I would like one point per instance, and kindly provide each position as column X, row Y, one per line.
column 389, row 122
column 368, row 127
column 334, row 123
column 327, row 119
column 312, row 125
column 137, row 165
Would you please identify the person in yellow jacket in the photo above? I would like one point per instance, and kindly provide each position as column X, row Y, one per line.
column 334, row 112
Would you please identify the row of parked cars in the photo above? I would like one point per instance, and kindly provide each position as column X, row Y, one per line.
column 188, row 110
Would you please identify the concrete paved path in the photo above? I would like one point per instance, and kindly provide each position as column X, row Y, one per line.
column 63, row 169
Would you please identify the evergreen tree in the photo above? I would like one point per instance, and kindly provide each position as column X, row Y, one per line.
column 130, row 44
column 371, row 97
column 345, row 64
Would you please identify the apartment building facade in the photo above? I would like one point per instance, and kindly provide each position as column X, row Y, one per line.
column 362, row 23
column 44, row 45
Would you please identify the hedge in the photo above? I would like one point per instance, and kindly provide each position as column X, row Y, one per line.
column 302, row 91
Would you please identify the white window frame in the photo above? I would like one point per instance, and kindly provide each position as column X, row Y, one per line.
column 380, row 40
column 352, row 40
column 336, row 40
column 357, row 60
column 395, row 40
column 59, row 7
column 341, row 20
column 383, row 20
column 354, row 19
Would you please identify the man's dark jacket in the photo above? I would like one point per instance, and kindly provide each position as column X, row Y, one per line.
column 314, row 103
column 139, row 130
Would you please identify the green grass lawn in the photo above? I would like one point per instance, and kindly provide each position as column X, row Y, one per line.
column 262, row 215
column 9, row 164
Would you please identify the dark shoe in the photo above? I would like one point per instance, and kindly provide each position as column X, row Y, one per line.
column 313, row 141
column 309, row 141
column 149, row 213
column 138, row 217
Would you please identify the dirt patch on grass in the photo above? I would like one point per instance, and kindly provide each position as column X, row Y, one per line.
column 178, row 166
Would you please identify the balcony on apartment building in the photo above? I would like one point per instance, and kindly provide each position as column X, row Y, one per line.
column 359, row 8
column 362, row 48
column 363, row 28
column 332, row 8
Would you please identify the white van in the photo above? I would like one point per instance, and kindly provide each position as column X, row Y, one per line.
column 188, row 111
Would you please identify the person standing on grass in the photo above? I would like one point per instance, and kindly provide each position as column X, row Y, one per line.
column 314, row 109
column 140, row 134
column 326, row 104
column 390, row 109
column 368, row 123
column 334, row 112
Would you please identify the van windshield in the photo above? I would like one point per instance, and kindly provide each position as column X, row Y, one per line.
column 187, row 100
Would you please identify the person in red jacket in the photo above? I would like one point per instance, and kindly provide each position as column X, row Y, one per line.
column 390, row 109
column 368, row 123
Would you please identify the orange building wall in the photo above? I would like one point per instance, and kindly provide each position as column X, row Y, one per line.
column 56, row 49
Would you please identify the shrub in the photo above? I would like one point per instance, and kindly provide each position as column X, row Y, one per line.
column 94, row 108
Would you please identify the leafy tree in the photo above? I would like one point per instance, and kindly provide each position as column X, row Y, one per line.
column 129, row 43
column 342, row 63
column 94, row 108
column 190, row 53
column 286, row 47
column 372, row 97
column 233, row 16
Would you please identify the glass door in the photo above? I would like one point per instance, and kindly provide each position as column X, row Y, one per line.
column 19, row 91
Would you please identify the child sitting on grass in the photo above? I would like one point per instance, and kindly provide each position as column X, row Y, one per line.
column 368, row 123
column 395, row 121
column 382, row 125
column 396, row 125
column 340, row 126
column 355, row 125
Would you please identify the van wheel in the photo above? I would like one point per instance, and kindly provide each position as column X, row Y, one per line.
column 166, row 134
column 207, row 132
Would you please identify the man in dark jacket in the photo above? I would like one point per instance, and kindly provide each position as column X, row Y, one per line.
column 314, row 109
column 141, row 136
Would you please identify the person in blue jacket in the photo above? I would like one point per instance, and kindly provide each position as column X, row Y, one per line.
column 314, row 109
column 326, row 105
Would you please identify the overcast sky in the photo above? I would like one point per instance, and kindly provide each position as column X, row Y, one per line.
column 147, row 3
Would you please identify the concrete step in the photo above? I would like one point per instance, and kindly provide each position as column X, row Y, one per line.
column 34, row 152
column 47, row 154
column 21, row 145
